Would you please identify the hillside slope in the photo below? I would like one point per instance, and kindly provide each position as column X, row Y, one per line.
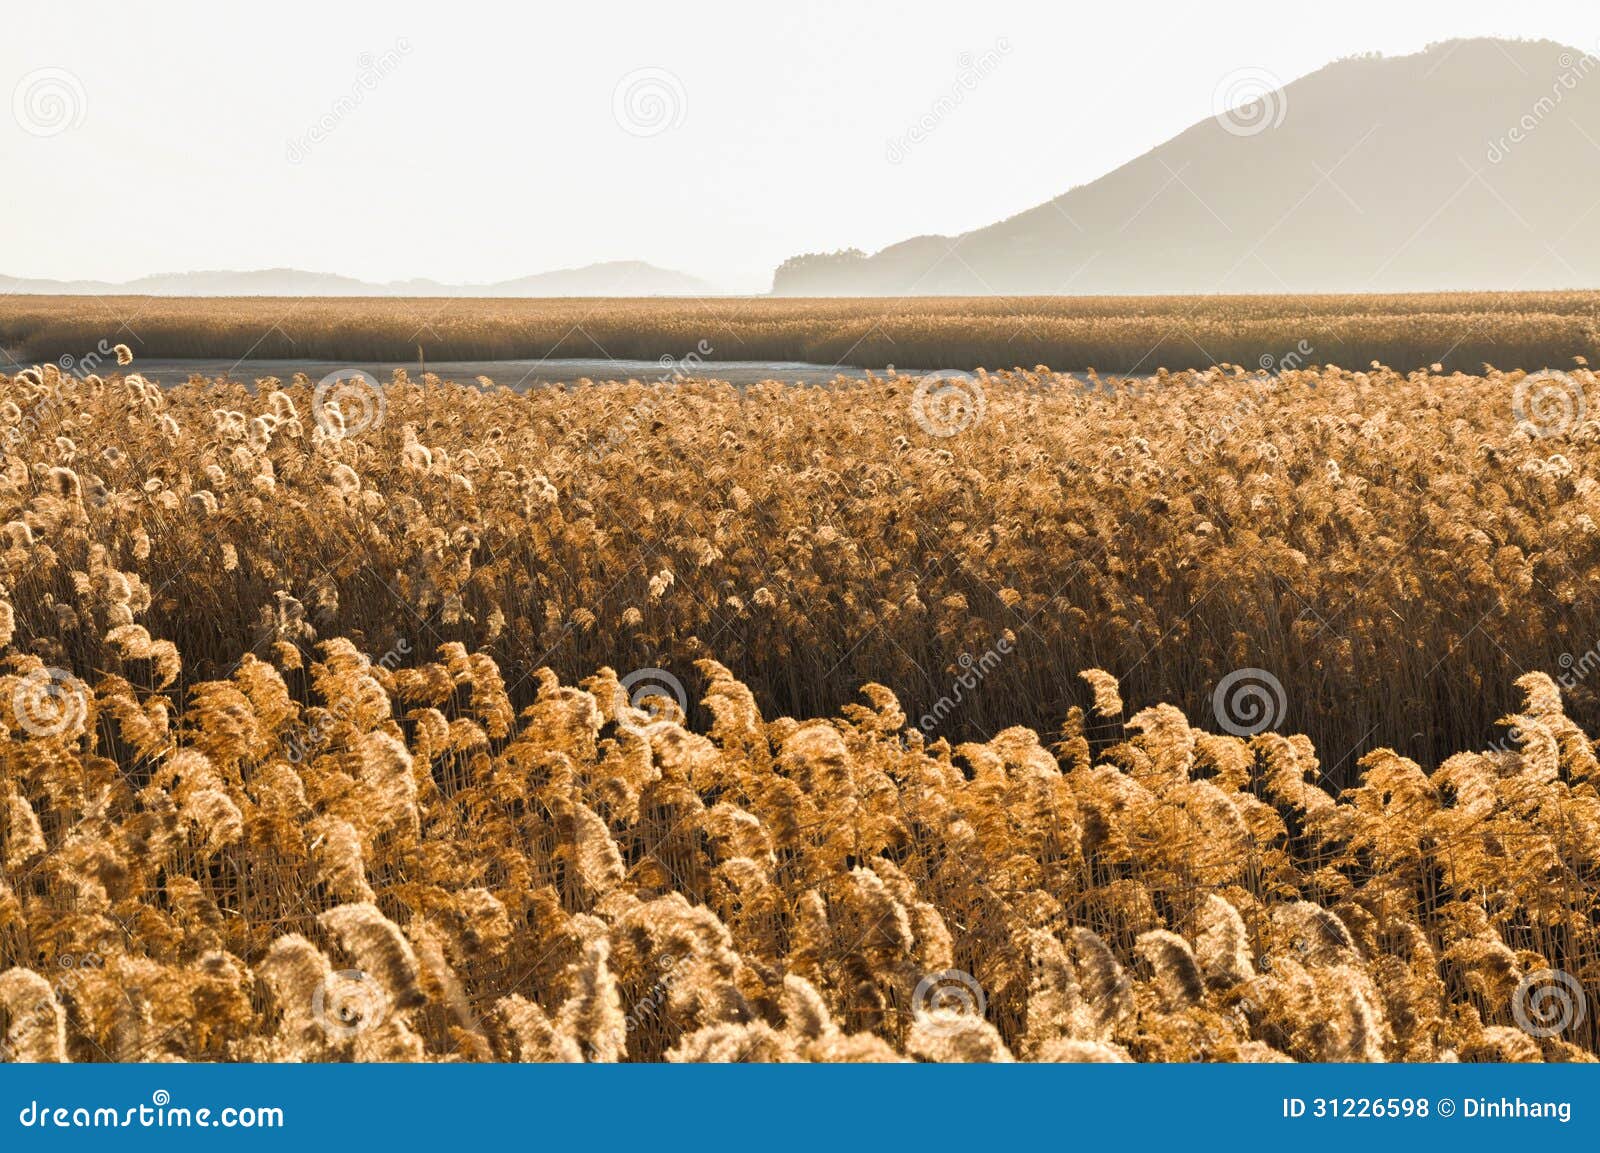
column 1472, row 165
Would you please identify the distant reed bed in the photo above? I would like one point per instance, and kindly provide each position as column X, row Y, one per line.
column 1113, row 334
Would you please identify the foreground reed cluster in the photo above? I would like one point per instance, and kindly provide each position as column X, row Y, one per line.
column 432, row 875
column 323, row 736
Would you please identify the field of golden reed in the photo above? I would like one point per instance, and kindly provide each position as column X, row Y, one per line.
column 1113, row 334
column 1217, row 716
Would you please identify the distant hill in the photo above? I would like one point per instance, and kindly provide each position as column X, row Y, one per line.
column 611, row 278
column 1472, row 164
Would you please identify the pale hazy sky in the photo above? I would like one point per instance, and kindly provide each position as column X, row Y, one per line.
column 483, row 141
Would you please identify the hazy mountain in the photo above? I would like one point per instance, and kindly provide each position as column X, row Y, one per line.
column 611, row 278
column 1473, row 164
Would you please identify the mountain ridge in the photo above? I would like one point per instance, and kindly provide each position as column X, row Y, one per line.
column 603, row 278
column 1464, row 166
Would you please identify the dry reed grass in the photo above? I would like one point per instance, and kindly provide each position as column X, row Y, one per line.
column 1396, row 549
column 592, row 884
column 226, row 832
column 1113, row 334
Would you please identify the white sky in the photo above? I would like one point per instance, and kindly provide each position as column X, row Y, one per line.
column 491, row 149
